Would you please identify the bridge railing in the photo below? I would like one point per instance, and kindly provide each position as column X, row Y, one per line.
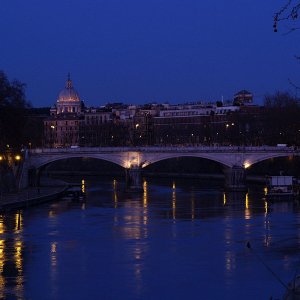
column 233, row 149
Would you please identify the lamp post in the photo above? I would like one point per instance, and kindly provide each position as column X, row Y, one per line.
column 17, row 159
column 52, row 128
column 136, row 135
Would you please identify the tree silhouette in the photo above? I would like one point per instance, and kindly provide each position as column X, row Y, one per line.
column 289, row 12
column 12, row 112
column 281, row 119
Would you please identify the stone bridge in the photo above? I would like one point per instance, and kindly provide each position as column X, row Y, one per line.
column 234, row 159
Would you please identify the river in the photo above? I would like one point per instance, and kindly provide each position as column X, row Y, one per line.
column 180, row 239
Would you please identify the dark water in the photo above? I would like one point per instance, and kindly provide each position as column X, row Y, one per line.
column 177, row 240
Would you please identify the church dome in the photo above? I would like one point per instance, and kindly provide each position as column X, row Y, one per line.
column 68, row 93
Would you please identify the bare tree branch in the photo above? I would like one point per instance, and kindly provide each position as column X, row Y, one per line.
column 291, row 30
column 288, row 12
column 293, row 84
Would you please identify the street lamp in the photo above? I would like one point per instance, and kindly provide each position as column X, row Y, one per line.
column 52, row 138
column 192, row 139
column 17, row 159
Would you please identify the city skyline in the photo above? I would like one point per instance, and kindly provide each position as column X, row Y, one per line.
column 154, row 51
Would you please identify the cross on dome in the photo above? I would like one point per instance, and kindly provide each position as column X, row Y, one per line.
column 69, row 83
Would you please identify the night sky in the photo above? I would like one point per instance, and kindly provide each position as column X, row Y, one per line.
column 141, row 51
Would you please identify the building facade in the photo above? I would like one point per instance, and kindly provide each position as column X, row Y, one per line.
column 243, row 97
column 61, row 129
column 72, row 124
column 116, row 124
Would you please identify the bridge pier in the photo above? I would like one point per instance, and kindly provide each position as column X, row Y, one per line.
column 24, row 179
column 235, row 179
column 33, row 177
column 134, row 179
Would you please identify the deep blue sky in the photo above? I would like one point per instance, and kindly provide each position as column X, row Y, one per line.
column 139, row 51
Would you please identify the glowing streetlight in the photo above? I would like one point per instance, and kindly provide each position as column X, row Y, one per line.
column 247, row 165
column 17, row 157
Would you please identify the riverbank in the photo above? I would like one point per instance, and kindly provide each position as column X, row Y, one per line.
column 50, row 190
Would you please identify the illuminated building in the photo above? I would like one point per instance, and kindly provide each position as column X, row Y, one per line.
column 117, row 124
column 243, row 98
column 72, row 124
column 62, row 127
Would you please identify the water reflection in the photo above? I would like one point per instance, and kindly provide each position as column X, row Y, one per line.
column 135, row 220
column 193, row 204
column 19, row 289
column 129, row 237
column 53, row 267
column 11, row 257
column 230, row 261
column 267, row 227
column 133, row 226
column 247, row 210
column 2, row 261
column 83, row 186
column 18, row 221
column 53, row 255
column 115, row 195
column 174, row 201
column 138, row 253
column 224, row 199
column 145, row 203
column 51, row 214
column 266, row 208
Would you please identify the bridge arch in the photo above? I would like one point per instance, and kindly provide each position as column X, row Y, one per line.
column 253, row 160
column 187, row 167
column 157, row 158
column 48, row 160
column 37, row 168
